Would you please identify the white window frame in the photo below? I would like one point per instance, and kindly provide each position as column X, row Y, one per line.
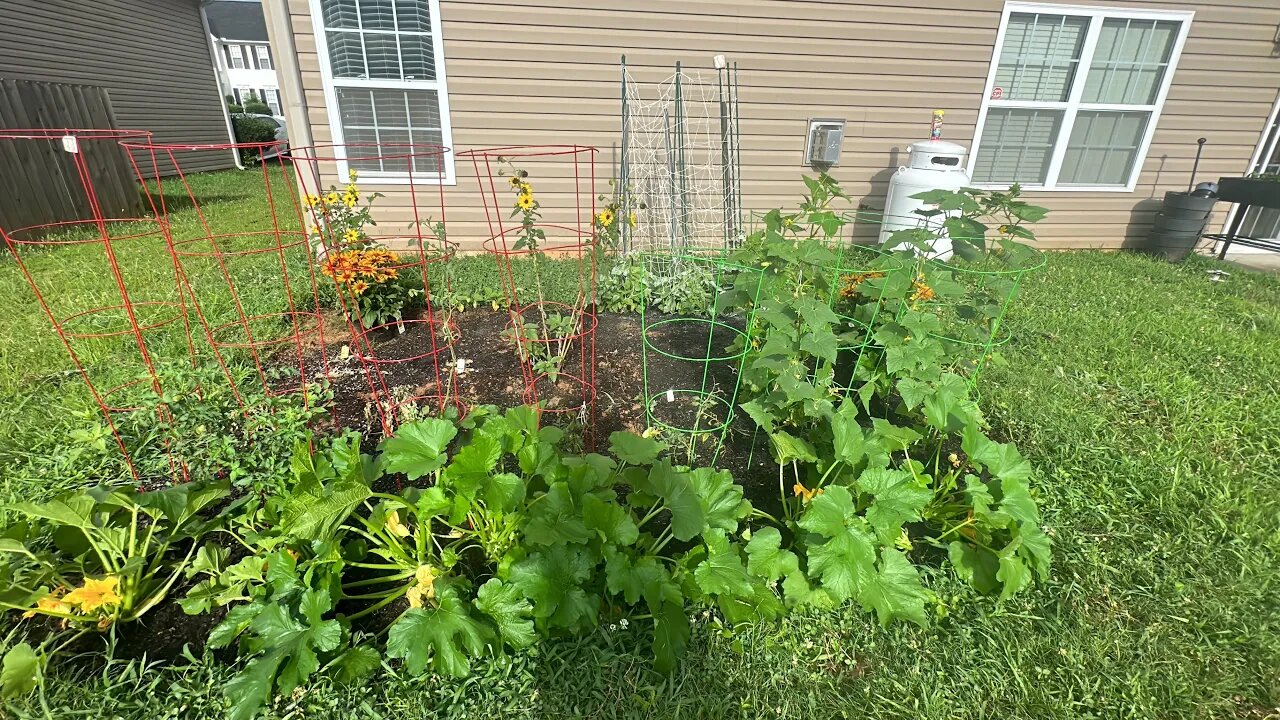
column 235, row 52
column 271, row 96
column 440, row 85
column 262, row 53
column 1073, row 104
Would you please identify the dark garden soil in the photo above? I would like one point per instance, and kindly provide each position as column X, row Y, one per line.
column 686, row 394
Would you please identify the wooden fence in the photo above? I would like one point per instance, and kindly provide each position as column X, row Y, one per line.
column 39, row 183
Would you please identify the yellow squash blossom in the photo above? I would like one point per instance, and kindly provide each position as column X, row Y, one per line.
column 921, row 292
column 49, row 604
column 605, row 218
column 395, row 526
column 94, row 594
column 426, row 576
column 803, row 492
column 414, row 596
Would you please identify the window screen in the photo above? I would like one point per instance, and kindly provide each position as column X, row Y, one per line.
column 1039, row 57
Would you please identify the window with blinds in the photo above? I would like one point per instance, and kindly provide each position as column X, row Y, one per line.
column 1074, row 96
column 384, row 80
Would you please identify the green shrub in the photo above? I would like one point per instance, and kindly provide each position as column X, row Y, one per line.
column 249, row 129
column 254, row 105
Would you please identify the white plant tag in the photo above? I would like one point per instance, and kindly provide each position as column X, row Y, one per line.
column 461, row 366
column 70, row 144
column 671, row 395
column 345, row 352
column 400, row 325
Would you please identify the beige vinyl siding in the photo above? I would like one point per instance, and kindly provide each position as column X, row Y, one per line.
column 152, row 57
column 520, row 73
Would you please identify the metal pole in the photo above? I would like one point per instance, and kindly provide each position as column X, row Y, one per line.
column 1196, row 165
column 726, row 204
column 624, row 176
column 671, row 174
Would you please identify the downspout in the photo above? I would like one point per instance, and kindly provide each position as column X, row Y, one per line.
column 289, row 75
column 217, row 80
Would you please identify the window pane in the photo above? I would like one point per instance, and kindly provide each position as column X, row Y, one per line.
column 1016, row 146
column 346, row 57
column 339, row 13
column 1103, row 148
column 385, row 117
column 413, row 15
column 377, row 15
column 419, row 64
column 428, row 156
column 382, row 55
column 1130, row 61
column 1039, row 57
column 424, row 109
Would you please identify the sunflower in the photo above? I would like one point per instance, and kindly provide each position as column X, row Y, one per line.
column 350, row 199
column 524, row 201
column 515, row 181
column 605, row 218
column 331, row 198
column 359, row 287
column 312, row 200
column 95, row 594
column 353, row 189
column 351, row 236
column 352, row 175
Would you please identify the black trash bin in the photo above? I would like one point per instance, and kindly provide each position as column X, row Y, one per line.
column 1179, row 225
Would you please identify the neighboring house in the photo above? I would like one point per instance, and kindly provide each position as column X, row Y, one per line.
column 245, row 61
column 150, row 55
column 1094, row 109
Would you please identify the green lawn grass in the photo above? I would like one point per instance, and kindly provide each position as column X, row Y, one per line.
column 1148, row 399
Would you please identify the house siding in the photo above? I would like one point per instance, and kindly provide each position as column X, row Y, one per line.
column 152, row 56
column 522, row 74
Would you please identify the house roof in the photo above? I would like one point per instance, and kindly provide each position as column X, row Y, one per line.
column 237, row 20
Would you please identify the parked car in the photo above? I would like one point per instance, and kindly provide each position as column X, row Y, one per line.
column 282, row 134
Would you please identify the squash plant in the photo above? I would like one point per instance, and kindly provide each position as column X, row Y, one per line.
column 894, row 456
column 94, row 558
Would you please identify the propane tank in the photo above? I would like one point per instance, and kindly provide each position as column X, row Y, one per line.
column 933, row 164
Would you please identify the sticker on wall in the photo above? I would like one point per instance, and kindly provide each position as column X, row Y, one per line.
column 997, row 93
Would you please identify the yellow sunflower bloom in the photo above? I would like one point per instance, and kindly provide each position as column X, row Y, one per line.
column 312, row 200
column 351, row 236
column 353, row 189
column 359, row 287
column 605, row 218
column 331, row 198
column 524, row 202
column 515, row 181
column 349, row 200
column 95, row 594
column 352, row 175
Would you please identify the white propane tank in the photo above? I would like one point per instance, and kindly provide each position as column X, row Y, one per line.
column 933, row 165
